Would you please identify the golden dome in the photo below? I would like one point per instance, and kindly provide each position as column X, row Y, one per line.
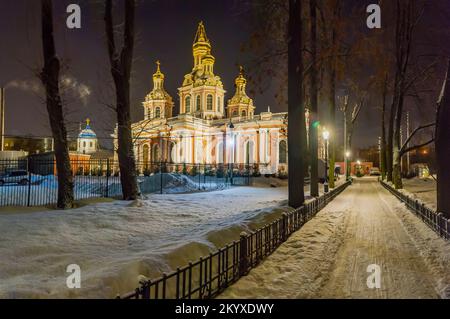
column 158, row 74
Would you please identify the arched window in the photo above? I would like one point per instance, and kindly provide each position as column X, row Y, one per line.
column 218, row 104
column 209, row 102
column 187, row 104
column 244, row 114
column 199, row 104
column 282, row 150
column 157, row 113
column 155, row 155
column 235, row 113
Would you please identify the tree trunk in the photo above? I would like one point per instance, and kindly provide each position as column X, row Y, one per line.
column 383, row 133
column 443, row 149
column 121, row 72
column 296, row 119
column 389, row 144
column 396, row 159
column 332, row 99
column 313, row 128
column 332, row 124
column 50, row 79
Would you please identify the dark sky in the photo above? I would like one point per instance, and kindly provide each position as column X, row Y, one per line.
column 166, row 30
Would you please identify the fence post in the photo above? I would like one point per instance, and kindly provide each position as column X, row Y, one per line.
column 108, row 172
column 284, row 225
column 447, row 228
column 243, row 258
column 29, row 181
column 199, row 177
column 440, row 223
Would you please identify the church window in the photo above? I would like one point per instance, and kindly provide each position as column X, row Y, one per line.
column 218, row 104
column 282, row 149
column 235, row 113
column 84, row 144
column 90, row 145
column 244, row 113
column 209, row 102
column 199, row 105
column 187, row 103
column 157, row 113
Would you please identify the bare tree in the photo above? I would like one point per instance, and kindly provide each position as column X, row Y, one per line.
column 296, row 119
column 50, row 77
column 383, row 158
column 443, row 147
column 121, row 65
column 351, row 120
column 313, row 127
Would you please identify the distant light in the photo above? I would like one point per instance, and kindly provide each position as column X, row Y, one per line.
column 326, row 134
column 358, row 162
column 347, row 154
column 316, row 124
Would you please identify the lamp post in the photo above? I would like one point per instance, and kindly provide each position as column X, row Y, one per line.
column 326, row 136
column 347, row 171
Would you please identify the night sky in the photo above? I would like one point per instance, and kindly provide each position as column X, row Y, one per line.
column 165, row 32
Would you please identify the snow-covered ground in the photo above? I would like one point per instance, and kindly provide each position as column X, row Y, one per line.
column 116, row 242
column 423, row 189
column 329, row 256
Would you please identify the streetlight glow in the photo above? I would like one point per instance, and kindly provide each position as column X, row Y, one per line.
column 326, row 134
column 347, row 154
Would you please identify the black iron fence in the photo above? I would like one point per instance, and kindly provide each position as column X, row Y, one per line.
column 210, row 275
column 436, row 221
column 34, row 182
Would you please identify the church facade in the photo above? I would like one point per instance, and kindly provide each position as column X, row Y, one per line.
column 207, row 129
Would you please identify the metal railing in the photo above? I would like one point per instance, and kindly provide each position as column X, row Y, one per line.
column 436, row 221
column 34, row 182
column 210, row 275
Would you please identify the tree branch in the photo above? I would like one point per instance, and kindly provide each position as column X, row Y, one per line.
column 414, row 133
column 415, row 147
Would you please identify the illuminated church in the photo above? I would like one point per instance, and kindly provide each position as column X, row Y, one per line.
column 209, row 130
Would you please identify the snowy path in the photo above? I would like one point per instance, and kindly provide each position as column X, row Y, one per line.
column 328, row 257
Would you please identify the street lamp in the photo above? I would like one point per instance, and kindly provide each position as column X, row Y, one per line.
column 347, row 171
column 326, row 136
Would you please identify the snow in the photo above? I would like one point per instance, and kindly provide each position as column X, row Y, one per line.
column 116, row 242
column 422, row 189
column 329, row 256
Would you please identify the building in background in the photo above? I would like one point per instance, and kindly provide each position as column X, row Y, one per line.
column 87, row 142
column 207, row 131
column 30, row 145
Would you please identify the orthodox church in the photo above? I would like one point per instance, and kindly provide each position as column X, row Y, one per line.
column 208, row 130
column 87, row 142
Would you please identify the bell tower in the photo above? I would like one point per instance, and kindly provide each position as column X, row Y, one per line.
column 240, row 105
column 202, row 93
column 158, row 103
